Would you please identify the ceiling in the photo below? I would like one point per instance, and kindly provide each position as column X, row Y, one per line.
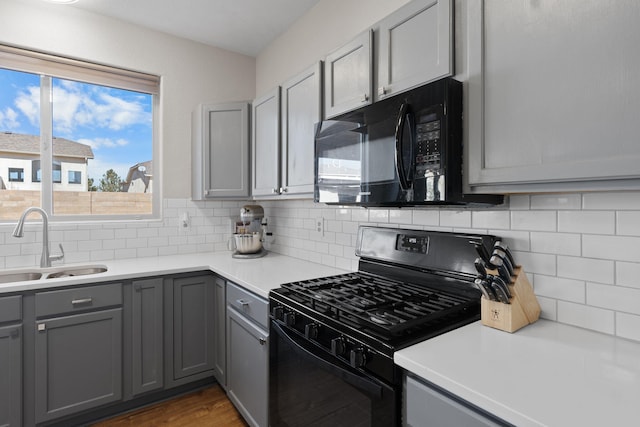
column 244, row 26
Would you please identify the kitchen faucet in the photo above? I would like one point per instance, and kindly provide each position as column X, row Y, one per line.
column 45, row 260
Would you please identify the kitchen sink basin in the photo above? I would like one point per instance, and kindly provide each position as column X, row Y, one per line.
column 77, row 271
column 19, row 276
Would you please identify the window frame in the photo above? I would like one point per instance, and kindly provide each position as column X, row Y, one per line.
column 75, row 174
column 20, row 172
column 49, row 66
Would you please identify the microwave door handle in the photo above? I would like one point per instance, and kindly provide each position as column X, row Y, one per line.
column 403, row 118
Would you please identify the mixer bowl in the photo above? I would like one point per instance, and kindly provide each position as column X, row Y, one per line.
column 248, row 243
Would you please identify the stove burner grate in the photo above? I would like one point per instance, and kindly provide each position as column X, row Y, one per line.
column 385, row 305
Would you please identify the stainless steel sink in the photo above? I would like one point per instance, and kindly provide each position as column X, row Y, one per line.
column 77, row 271
column 19, row 276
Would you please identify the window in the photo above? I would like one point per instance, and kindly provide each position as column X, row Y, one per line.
column 16, row 175
column 75, row 177
column 90, row 123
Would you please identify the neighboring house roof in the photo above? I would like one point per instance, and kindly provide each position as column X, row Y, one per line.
column 30, row 144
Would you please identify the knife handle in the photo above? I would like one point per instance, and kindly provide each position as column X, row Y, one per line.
column 500, row 294
column 503, row 246
column 498, row 280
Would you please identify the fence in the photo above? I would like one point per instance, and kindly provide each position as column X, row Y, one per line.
column 14, row 202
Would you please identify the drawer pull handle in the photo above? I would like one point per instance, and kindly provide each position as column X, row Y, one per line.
column 243, row 302
column 42, row 327
column 82, row 301
column 262, row 341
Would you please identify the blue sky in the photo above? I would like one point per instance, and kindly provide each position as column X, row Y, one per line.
column 117, row 124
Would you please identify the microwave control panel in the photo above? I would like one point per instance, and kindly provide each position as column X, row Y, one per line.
column 428, row 147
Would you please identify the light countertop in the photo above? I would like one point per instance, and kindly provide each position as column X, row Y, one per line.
column 258, row 275
column 546, row 374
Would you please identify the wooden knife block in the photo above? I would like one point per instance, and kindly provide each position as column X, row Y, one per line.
column 524, row 307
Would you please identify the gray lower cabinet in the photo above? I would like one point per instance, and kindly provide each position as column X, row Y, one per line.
column 220, row 331
column 424, row 405
column 78, row 362
column 11, row 361
column 247, row 354
column 11, row 376
column 190, row 328
column 143, row 336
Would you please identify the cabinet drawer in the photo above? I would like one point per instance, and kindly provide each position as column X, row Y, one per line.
column 10, row 309
column 76, row 299
column 252, row 306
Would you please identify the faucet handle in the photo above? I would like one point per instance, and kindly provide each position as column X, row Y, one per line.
column 58, row 257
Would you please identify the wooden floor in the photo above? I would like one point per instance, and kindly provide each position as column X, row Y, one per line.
column 207, row 407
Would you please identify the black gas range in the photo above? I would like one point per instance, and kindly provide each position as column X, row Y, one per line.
column 333, row 338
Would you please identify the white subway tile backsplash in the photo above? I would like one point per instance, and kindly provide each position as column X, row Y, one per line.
column 620, row 248
column 426, row 217
column 594, row 270
column 401, row 216
column 628, row 274
column 556, row 243
column 560, row 289
column 450, row 218
column 581, row 251
column 592, row 222
column 584, row 316
column 491, row 219
column 611, row 201
column 628, row 223
column 533, row 220
column 556, row 201
column 616, row 298
column 628, row 326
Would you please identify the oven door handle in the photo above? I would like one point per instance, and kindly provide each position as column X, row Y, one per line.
column 363, row 384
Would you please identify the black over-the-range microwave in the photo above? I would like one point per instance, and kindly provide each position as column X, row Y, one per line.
column 405, row 150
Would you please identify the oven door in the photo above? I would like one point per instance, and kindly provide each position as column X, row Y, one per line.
column 310, row 387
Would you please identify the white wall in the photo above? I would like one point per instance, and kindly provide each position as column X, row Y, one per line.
column 191, row 73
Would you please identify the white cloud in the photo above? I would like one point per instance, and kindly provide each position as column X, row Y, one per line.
column 8, row 119
column 74, row 106
column 29, row 104
column 98, row 143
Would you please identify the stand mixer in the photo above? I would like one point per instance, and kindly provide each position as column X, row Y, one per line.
column 248, row 240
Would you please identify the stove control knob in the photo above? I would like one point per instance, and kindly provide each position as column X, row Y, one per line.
column 277, row 312
column 357, row 358
column 338, row 346
column 311, row 331
column 290, row 318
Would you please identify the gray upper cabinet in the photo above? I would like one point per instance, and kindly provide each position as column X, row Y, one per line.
column 414, row 45
column 11, row 362
column 552, row 104
column 220, row 151
column 301, row 110
column 265, row 144
column 348, row 76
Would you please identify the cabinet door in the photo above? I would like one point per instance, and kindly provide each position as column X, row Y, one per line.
column 348, row 75
column 265, row 143
column 424, row 405
column 549, row 103
column 247, row 368
column 78, row 363
column 193, row 326
column 220, row 331
column 11, row 376
column 220, row 151
column 147, row 336
column 301, row 110
column 415, row 46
